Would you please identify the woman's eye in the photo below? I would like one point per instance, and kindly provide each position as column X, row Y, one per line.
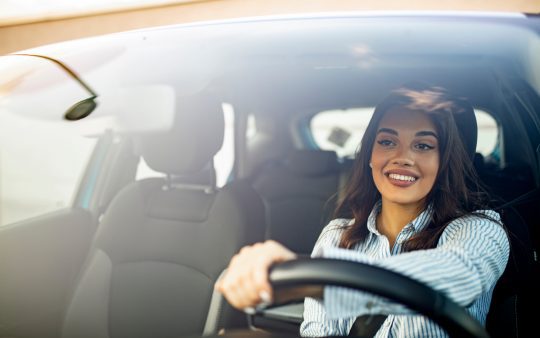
column 386, row 143
column 424, row 146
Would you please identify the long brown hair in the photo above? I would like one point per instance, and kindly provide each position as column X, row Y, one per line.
column 456, row 191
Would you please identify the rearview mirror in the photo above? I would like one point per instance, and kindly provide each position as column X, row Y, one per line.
column 81, row 109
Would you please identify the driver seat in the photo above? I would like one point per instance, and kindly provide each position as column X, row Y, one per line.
column 512, row 311
column 163, row 242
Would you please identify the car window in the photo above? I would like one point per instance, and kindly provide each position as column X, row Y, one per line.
column 488, row 133
column 41, row 165
column 251, row 127
column 223, row 160
column 342, row 130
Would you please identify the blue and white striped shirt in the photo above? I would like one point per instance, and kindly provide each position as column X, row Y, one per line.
column 470, row 256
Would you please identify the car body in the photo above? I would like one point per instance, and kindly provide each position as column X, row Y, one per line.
column 290, row 88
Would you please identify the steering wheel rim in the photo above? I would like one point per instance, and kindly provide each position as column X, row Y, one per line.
column 415, row 295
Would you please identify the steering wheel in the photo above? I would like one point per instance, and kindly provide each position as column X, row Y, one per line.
column 396, row 287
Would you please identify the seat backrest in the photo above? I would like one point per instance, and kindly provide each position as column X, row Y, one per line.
column 296, row 195
column 163, row 242
column 516, row 295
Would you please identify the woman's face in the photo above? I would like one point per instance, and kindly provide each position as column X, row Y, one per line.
column 405, row 157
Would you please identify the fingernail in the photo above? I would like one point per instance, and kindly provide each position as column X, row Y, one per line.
column 265, row 297
column 249, row 310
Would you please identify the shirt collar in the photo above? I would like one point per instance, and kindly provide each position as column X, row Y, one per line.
column 417, row 224
column 372, row 218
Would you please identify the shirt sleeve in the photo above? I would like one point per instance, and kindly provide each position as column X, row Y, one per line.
column 470, row 257
column 316, row 322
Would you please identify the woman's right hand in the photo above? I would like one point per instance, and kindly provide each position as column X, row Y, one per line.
column 245, row 283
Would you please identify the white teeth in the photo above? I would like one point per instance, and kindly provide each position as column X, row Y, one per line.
column 402, row 177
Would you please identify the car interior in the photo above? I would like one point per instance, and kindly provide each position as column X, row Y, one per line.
column 148, row 253
column 514, row 197
column 138, row 257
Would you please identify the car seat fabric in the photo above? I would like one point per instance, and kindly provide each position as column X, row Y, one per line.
column 512, row 304
column 296, row 193
column 509, row 307
column 515, row 296
column 162, row 242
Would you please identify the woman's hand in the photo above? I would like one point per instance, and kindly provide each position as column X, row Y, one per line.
column 245, row 283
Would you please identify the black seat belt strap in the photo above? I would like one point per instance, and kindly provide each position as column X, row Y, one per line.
column 367, row 325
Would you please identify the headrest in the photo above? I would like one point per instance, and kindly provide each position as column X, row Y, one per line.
column 312, row 162
column 468, row 128
column 478, row 162
column 191, row 143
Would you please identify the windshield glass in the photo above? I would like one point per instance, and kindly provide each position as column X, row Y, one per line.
column 42, row 157
column 277, row 72
column 191, row 141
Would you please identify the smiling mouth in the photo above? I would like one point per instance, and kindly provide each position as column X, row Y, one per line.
column 403, row 178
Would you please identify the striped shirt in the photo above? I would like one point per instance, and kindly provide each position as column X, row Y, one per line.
column 470, row 256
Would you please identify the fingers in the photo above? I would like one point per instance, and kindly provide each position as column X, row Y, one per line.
column 245, row 283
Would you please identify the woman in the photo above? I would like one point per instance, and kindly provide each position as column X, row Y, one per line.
column 416, row 209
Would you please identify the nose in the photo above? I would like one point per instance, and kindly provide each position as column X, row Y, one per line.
column 404, row 162
column 404, row 157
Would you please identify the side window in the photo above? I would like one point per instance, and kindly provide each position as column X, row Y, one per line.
column 342, row 130
column 41, row 165
column 488, row 132
column 223, row 160
column 251, row 128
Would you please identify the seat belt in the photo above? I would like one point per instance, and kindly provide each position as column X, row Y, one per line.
column 522, row 199
column 366, row 326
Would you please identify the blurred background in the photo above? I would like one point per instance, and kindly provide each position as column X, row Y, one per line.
column 29, row 23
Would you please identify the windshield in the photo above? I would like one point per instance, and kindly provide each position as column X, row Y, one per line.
column 191, row 141
column 42, row 157
column 277, row 71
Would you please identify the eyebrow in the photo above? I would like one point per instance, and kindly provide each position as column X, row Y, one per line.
column 420, row 133
column 426, row 133
column 388, row 131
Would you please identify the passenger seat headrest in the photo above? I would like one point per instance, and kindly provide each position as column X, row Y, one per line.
column 193, row 140
column 468, row 128
column 312, row 162
column 478, row 162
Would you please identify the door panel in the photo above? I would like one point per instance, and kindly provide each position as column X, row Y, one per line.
column 39, row 262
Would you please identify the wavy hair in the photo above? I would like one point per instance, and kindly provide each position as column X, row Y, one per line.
column 456, row 191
